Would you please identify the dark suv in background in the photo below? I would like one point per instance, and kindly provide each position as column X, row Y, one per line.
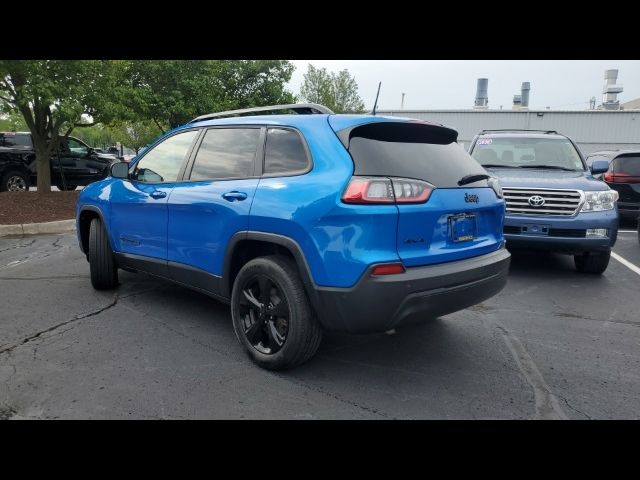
column 79, row 163
column 623, row 176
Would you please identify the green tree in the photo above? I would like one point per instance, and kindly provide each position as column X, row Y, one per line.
column 338, row 91
column 135, row 135
column 12, row 122
column 54, row 97
column 170, row 93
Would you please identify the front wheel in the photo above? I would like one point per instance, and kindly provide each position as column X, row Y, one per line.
column 14, row 181
column 592, row 262
column 102, row 264
column 271, row 314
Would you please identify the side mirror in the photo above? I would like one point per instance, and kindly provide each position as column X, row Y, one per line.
column 120, row 170
column 90, row 151
column 599, row 166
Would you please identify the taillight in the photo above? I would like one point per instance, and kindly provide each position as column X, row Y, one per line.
column 377, row 190
column 388, row 269
column 620, row 177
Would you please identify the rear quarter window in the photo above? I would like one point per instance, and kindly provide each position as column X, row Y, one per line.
column 285, row 152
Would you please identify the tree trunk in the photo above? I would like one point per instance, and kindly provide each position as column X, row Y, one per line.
column 43, row 166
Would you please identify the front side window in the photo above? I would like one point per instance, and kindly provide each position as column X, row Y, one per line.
column 226, row 153
column 284, row 152
column 523, row 152
column 163, row 162
column 77, row 147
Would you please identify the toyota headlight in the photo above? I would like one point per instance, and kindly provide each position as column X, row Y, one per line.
column 599, row 201
column 495, row 184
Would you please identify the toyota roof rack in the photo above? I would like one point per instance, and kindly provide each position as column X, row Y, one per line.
column 517, row 130
column 299, row 108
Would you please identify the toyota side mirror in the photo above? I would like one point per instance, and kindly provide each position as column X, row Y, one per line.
column 120, row 170
column 599, row 166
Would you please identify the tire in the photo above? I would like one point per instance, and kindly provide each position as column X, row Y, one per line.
column 102, row 264
column 592, row 262
column 300, row 333
column 14, row 181
column 68, row 189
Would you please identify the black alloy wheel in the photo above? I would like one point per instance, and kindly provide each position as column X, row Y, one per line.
column 264, row 314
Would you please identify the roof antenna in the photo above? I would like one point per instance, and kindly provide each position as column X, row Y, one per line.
column 376, row 103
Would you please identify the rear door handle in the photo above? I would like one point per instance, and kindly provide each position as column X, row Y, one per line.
column 233, row 196
column 158, row 194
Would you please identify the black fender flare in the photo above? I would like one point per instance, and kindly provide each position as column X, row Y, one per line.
column 284, row 241
column 96, row 210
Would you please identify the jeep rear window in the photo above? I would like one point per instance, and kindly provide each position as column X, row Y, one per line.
column 409, row 150
column 627, row 164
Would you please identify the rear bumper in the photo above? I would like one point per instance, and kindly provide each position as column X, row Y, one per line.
column 564, row 241
column 377, row 304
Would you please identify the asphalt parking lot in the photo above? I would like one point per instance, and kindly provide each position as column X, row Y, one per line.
column 554, row 344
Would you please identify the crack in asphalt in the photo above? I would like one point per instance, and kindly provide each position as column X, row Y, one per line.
column 546, row 403
column 295, row 381
column 58, row 277
column 573, row 408
column 317, row 389
column 21, row 245
column 37, row 335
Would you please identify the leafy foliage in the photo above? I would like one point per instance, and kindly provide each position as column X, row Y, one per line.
column 54, row 97
column 338, row 91
column 135, row 135
column 171, row 93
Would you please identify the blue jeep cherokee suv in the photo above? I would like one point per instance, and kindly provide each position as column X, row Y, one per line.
column 554, row 202
column 303, row 222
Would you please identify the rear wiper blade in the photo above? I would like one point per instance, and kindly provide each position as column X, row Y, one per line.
column 553, row 167
column 472, row 178
column 491, row 165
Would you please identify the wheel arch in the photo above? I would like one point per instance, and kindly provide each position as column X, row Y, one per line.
column 88, row 213
column 245, row 246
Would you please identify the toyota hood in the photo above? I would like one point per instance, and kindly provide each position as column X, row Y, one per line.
column 546, row 178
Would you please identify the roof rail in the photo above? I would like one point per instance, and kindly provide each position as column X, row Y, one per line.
column 299, row 108
column 517, row 130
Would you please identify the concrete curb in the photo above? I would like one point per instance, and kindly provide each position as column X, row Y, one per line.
column 61, row 226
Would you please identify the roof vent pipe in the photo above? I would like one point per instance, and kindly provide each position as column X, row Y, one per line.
column 526, row 87
column 482, row 98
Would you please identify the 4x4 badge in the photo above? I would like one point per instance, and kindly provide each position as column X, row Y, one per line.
column 471, row 198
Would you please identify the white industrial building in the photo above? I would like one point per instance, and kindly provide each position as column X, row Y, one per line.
column 592, row 130
column 607, row 127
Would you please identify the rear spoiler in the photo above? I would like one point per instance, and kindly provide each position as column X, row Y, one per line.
column 407, row 132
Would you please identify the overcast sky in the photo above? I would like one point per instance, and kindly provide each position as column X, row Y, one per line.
column 451, row 84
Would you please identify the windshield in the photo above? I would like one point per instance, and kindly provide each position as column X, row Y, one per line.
column 523, row 152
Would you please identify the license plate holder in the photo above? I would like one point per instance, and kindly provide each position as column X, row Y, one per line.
column 462, row 227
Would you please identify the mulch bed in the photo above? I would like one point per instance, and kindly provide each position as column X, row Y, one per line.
column 36, row 207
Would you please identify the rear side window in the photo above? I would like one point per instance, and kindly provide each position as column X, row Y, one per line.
column 284, row 152
column 226, row 153
column 627, row 164
column 14, row 140
column 423, row 152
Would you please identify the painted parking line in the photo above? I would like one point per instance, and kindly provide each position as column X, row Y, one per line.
column 627, row 231
column 626, row 263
